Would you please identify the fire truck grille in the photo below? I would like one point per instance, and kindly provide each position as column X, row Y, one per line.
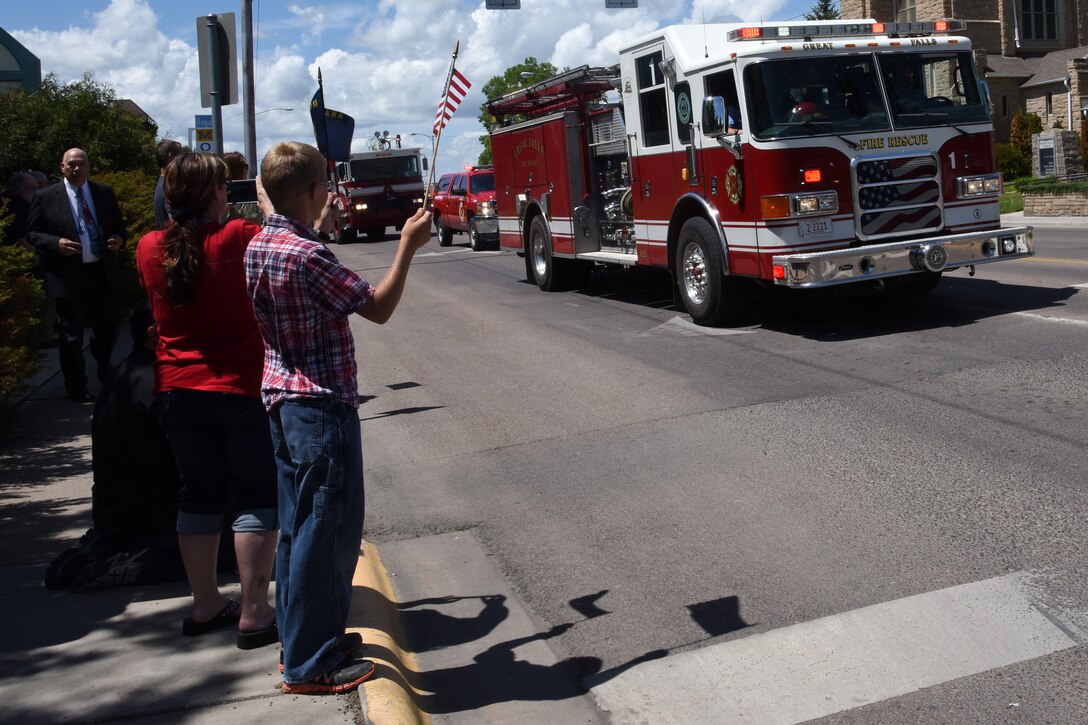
column 897, row 195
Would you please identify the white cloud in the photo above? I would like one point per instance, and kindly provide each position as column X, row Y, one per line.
column 383, row 61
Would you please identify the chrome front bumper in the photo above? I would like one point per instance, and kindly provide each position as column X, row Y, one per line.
column 487, row 226
column 934, row 254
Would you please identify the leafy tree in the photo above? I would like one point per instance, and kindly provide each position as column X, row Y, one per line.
column 1023, row 126
column 823, row 10
column 513, row 78
column 39, row 127
column 135, row 191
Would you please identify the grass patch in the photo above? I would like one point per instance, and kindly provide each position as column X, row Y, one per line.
column 1011, row 201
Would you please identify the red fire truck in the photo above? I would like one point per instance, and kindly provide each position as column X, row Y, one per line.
column 827, row 153
column 377, row 189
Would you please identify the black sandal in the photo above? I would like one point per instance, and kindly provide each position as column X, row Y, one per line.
column 258, row 638
column 228, row 615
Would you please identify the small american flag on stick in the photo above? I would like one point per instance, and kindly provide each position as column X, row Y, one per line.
column 455, row 93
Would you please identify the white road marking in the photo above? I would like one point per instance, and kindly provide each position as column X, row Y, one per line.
column 684, row 326
column 844, row 661
column 1047, row 318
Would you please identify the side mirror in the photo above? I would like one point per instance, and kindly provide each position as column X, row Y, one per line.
column 424, row 163
column 715, row 121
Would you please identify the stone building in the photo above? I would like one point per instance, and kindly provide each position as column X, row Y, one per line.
column 1033, row 53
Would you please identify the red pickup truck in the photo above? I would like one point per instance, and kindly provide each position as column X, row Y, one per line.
column 465, row 202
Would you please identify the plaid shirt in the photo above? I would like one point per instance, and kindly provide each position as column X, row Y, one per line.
column 303, row 298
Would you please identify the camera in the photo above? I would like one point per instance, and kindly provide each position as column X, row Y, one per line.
column 241, row 191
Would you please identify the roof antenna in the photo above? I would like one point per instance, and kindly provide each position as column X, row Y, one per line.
column 702, row 9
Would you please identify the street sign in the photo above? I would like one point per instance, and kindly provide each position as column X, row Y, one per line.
column 205, row 140
column 203, row 121
column 227, row 63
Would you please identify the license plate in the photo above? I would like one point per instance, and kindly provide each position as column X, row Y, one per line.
column 814, row 227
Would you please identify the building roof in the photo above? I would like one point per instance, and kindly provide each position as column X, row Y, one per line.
column 1052, row 67
column 1011, row 67
column 130, row 106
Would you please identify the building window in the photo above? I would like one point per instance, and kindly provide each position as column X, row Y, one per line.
column 1039, row 19
column 1004, row 106
column 904, row 11
column 1049, row 103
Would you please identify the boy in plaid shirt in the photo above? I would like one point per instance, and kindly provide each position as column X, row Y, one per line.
column 303, row 299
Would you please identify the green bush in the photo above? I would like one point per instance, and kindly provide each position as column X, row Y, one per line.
column 135, row 191
column 20, row 302
column 1023, row 126
column 1010, row 162
column 1051, row 185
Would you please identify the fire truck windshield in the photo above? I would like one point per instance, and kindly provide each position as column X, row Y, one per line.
column 379, row 169
column 852, row 94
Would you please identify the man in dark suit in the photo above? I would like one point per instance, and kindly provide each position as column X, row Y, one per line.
column 77, row 228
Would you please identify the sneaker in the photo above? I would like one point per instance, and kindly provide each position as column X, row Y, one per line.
column 351, row 643
column 345, row 678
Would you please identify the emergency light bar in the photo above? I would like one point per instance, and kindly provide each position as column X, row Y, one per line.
column 844, row 30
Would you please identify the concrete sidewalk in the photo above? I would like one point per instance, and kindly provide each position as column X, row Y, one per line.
column 118, row 653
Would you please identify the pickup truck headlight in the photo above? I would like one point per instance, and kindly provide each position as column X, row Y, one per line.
column 988, row 185
column 485, row 208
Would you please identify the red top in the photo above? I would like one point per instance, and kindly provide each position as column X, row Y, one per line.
column 211, row 342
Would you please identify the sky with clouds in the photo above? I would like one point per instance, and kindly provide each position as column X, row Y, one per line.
column 384, row 62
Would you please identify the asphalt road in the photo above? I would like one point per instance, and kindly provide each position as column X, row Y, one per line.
column 674, row 490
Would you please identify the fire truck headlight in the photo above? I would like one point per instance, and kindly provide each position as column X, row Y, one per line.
column 360, row 207
column 824, row 202
column 418, row 200
column 1008, row 245
column 485, row 208
column 987, row 185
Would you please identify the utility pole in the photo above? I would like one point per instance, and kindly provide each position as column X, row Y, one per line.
column 249, row 123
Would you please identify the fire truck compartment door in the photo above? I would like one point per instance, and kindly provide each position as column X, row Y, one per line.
column 530, row 163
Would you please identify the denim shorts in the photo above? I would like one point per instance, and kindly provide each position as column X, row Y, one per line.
column 223, row 448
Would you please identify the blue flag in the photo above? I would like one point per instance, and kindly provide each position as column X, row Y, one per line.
column 332, row 129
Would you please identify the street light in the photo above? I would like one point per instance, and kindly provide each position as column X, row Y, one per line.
column 258, row 113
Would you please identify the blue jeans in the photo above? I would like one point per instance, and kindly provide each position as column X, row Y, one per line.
column 319, row 458
column 222, row 447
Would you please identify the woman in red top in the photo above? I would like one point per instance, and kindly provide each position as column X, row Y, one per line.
column 208, row 376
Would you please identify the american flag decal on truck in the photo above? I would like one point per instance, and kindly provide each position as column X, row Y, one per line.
column 897, row 195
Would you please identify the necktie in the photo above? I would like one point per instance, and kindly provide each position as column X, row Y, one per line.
column 92, row 226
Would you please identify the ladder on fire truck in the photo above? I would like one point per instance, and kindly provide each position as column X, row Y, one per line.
column 560, row 92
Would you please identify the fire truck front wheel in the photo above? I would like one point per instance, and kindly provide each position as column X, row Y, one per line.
column 710, row 298
column 346, row 235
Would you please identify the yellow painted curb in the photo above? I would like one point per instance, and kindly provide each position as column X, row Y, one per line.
column 389, row 695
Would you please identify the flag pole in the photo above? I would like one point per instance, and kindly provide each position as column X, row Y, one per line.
column 438, row 136
column 324, row 125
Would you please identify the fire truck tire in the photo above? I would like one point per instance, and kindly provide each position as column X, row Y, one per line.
column 474, row 240
column 375, row 234
column 549, row 273
column 710, row 298
column 445, row 235
column 346, row 236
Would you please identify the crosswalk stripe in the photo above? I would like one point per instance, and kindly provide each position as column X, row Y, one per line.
column 844, row 661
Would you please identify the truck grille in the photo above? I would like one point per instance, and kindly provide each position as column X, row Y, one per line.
column 896, row 195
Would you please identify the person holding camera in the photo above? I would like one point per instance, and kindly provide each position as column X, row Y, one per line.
column 208, row 366
column 244, row 208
